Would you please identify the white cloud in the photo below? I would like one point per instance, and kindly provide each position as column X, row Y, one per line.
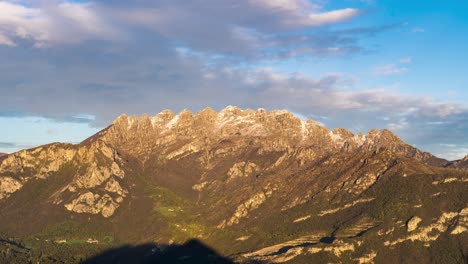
column 401, row 124
column 4, row 40
column 328, row 94
column 406, row 60
column 453, row 151
column 51, row 23
column 418, row 30
column 239, row 28
column 288, row 5
column 17, row 21
column 302, row 13
column 389, row 69
column 392, row 68
column 331, row 17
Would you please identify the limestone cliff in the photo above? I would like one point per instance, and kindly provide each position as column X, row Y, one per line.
column 97, row 170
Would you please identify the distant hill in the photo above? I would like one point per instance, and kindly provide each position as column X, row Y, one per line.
column 251, row 185
column 461, row 164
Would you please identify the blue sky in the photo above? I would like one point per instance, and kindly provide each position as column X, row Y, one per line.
column 68, row 68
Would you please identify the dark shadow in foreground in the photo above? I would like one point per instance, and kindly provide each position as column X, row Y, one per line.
column 193, row 251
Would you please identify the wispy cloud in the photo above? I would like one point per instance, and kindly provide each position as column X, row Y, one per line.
column 453, row 151
column 406, row 60
column 389, row 69
column 7, row 145
column 10, row 146
column 418, row 30
column 330, row 17
column 57, row 117
column 393, row 68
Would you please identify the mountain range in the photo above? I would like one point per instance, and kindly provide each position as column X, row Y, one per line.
column 249, row 186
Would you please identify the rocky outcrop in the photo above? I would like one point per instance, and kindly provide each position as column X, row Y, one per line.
column 413, row 223
column 8, row 186
column 462, row 223
column 300, row 219
column 39, row 163
column 356, row 228
column 363, row 182
column 242, row 169
column 248, row 206
column 265, row 254
column 431, row 232
column 101, row 174
column 93, row 204
column 306, row 245
column 367, row 258
column 96, row 166
column 346, row 206
column 113, row 186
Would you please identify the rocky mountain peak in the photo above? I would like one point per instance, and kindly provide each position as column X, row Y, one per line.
column 260, row 121
column 217, row 175
column 271, row 130
column 167, row 137
column 231, row 110
column 208, row 118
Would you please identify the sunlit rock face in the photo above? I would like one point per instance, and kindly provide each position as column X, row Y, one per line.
column 278, row 188
column 40, row 161
column 413, row 223
column 93, row 204
column 8, row 186
column 96, row 166
column 272, row 131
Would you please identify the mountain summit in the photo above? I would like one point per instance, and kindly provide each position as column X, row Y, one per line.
column 256, row 185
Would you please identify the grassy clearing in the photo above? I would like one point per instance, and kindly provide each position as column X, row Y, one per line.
column 71, row 233
column 178, row 212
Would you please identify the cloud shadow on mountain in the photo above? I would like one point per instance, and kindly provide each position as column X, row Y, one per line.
column 192, row 251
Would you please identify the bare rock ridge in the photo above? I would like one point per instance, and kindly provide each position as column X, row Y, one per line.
column 281, row 129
